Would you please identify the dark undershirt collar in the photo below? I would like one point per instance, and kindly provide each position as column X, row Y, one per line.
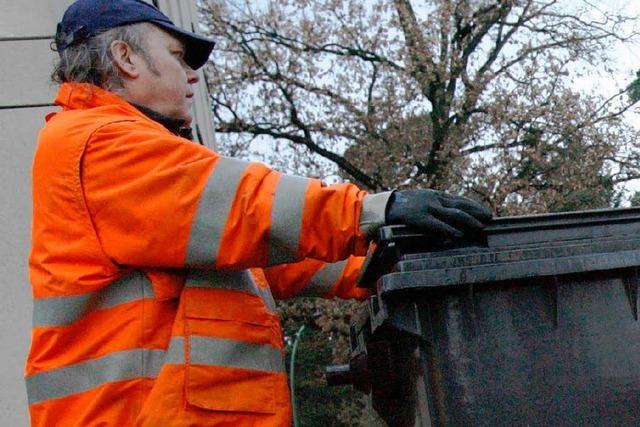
column 175, row 126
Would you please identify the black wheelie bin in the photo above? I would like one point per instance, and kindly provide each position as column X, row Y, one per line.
column 534, row 323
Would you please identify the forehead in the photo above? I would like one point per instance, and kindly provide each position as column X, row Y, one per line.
column 156, row 36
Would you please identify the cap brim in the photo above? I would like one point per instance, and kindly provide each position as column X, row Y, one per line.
column 197, row 48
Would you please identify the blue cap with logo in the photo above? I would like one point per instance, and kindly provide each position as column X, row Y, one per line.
column 87, row 18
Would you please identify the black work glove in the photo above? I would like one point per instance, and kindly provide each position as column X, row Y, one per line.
column 436, row 213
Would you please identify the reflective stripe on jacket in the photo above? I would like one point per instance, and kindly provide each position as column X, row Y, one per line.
column 143, row 310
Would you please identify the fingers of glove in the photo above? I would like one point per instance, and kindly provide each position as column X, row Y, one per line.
column 469, row 206
column 458, row 218
column 432, row 225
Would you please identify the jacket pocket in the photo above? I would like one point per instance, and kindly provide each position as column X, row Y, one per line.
column 233, row 354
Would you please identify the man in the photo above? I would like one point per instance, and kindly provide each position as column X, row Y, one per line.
column 154, row 259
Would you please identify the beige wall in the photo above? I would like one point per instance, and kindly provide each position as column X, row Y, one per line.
column 26, row 32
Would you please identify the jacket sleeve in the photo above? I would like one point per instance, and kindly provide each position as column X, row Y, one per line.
column 313, row 278
column 162, row 201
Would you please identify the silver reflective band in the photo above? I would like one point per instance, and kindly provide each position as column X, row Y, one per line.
column 213, row 210
column 241, row 281
column 175, row 352
column 267, row 297
column 147, row 363
column 286, row 219
column 233, row 280
column 373, row 212
column 61, row 311
column 80, row 377
column 227, row 353
column 324, row 280
column 235, row 354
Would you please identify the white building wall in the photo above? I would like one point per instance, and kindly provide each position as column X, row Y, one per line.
column 26, row 32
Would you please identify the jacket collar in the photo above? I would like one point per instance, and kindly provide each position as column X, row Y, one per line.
column 82, row 96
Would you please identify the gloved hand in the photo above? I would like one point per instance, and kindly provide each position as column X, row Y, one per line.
column 436, row 213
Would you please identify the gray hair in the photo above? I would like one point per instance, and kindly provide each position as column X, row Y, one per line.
column 91, row 61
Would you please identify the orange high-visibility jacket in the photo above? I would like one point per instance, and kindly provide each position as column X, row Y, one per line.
column 153, row 266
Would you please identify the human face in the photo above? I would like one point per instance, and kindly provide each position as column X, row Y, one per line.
column 164, row 83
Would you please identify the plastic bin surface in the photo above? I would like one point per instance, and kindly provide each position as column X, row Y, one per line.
column 535, row 323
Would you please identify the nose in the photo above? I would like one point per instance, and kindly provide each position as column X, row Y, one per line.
column 192, row 76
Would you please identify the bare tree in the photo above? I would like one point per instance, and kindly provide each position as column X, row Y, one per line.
column 439, row 93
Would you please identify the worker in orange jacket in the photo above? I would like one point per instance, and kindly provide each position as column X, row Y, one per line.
column 155, row 261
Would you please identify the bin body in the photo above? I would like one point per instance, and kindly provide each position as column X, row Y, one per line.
column 537, row 325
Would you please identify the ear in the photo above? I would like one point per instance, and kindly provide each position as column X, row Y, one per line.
column 125, row 59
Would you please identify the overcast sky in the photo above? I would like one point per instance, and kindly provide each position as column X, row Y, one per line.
column 626, row 56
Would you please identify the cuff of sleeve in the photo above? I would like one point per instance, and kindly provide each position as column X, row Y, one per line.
column 372, row 216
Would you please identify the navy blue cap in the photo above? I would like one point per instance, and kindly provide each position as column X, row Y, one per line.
column 86, row 18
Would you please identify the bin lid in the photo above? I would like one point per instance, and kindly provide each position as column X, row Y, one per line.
column 512, row 248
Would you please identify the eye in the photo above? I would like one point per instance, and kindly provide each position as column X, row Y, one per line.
column 179, row 53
